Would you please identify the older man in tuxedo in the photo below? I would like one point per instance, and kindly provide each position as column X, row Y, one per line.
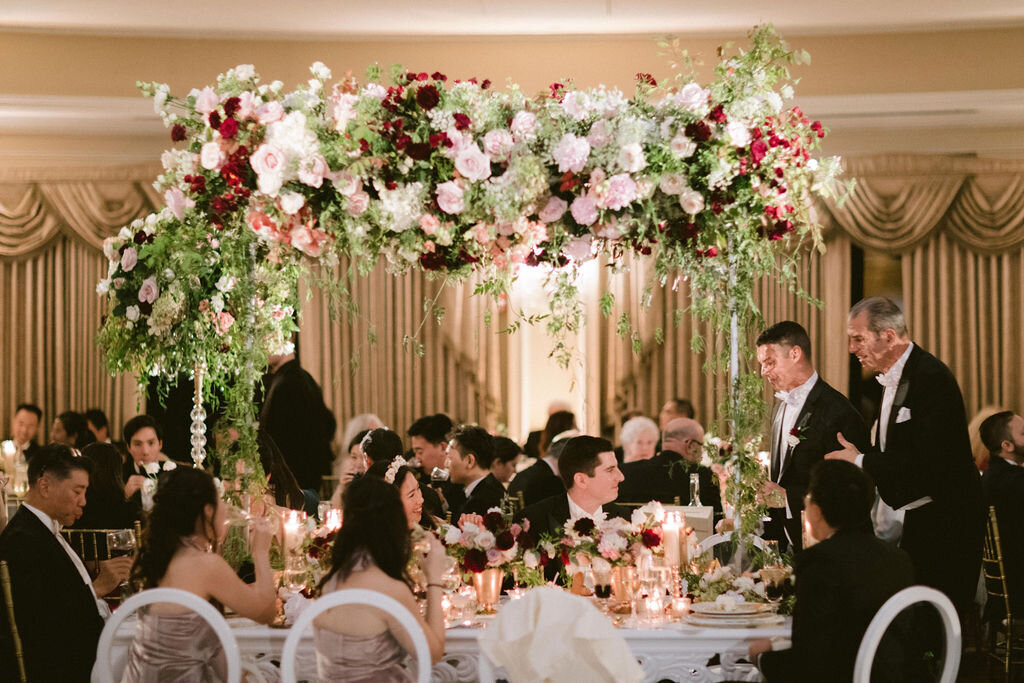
column 56, row 608
column 807, row 415
column 920, row 458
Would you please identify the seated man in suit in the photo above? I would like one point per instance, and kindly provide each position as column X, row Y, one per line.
column 428, row 437
column 470, row 454
column 841, row 582
column 666, row 476
column 591, row 475
column 24, row 428
column 56, row 605
column 1003, row 484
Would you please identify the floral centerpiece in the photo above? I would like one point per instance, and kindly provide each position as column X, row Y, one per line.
column 612, row 542
column 497, row 542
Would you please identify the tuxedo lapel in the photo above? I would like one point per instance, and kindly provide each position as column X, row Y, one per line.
column 802, row 420
column 775, row 444
column 900, row 399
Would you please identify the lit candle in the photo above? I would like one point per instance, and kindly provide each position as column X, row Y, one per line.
column 681, row 606
column 670, row 539
column 333, row 519
column 293, row 524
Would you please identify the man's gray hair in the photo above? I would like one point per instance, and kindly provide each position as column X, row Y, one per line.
column 882, row 314
column 685, row 429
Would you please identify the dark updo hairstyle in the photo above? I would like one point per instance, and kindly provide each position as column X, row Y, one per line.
column 74, row 424
column 181, row 498
column 375, row 525
column 380, row 469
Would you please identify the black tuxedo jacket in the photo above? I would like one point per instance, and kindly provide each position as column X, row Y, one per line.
column 666, row 477
column 824, row 413
column 549, row 517
column 536, row 483
column 928, row 453
column 1003, row 484
column 840, row 585
column 486, row 495
column 56, row 615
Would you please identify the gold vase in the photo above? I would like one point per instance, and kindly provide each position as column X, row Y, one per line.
column 622, row 580
column 488, row 588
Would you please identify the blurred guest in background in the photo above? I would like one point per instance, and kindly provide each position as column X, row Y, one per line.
column 673, row 408
column 96, row 421
column 639, row 436
column 979, row 450
column 1003, row 484
column 25, row 427
column 506, row 455
column 470, row 454
column 70, row 429
column 106, row 506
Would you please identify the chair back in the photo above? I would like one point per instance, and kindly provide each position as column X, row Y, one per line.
column 104, row 670
column 892, row 608
column 717, row 539
column 356, row 596
column 19, row 654
column 992, row 564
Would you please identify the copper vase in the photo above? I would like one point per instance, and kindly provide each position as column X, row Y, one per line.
column 622, row 583
column 488, row 588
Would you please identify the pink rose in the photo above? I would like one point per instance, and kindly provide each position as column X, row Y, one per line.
column 429, row 224
column 481, row 233
column 692, row 202
column 346, row 184
column 579, row 248
column 577, row 105
column 498, row 144
column 177, row 202
column 472, row 163
column 210, row 156
column 207, row 100
column 312, row 170
column 682, row 146
column 524, row 125
column 584, row 210
column 224, row 322
column 269, row 112
column 691, row 97
column 450, row 197
column 268, row 162
column 309, row 240
column 128, row 259
column 246, row 105
column 553, row 210
column 149, row 290
column 621, row 191
column 571, row 153
column 672, row 183
column 358, row 202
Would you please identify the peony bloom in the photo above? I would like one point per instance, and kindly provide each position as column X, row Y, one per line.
column 571, row 153
column 128, row 259
column 584, row 210
column 579, row 248
column 577, row 105
column 312, row 170
column 472, row 163
column 692, row 202
column 207, row 100
column 269, row 112
column 149, row 290
column 498, row 144
column 738, row 133
column 358, row 202
column 621, row 191
column 309, row 240
column 450, row 197
column 553, row 210
column 631, row 158
column 599, row 135
column 211, row 156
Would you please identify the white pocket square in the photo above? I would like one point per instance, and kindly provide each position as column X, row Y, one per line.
column 903, row 415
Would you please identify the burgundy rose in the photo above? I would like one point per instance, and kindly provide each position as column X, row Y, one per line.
column 177, row 132
column 402, row 141
column 504, row 540
column 139, row 238
column 526, row 539
column 432, row 261
column 214, row 120
column 438, row 76
column 584, row 526
column 461, row 121
column 466, row 257
column 228, row 128
column 427, row 97
column 717, row 114
column 698, row 131
column 440, row 139
column 475, row 560
column 651, row 538
column 486, row 84
column 231, row 106
column 758, row 150
column 364, row 146
column 420, row 151
column 493, row 521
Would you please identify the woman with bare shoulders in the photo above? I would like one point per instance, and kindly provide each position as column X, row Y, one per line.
column 360, row 644
column 179, row 550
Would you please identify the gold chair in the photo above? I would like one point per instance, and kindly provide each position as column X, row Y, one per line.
column 1010, row 652
column 19, row 655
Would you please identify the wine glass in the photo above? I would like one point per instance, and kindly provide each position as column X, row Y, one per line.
column 120, row 543
column 770, row 551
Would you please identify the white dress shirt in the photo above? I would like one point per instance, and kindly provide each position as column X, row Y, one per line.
column 792, row 404
column 576, row 512
column 54, row 527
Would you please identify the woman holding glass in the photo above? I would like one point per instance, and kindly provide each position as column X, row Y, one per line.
column 360, row 644
column 179, row 550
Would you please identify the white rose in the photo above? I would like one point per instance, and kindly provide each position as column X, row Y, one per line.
column 291, row 202
column 485, row 539
column 738, row 133
column 320, row 70
column 531, row 559
column 244, row 72
column 211, row 156
column 682, row 146
column 524, row 125
column 132, row 313
column 672, row 183
column 692, row 202
column 631, row 158
column 473, row 164
column 452, row 535
column 691, row 97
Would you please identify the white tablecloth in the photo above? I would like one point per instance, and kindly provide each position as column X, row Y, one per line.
column 675, row 651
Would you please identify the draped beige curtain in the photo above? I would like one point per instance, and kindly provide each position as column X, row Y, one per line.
column 52, row 226
column 461, row 371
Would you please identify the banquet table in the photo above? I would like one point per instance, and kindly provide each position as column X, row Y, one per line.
column 674, row 651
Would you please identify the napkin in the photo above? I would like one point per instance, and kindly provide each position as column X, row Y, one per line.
column 551, row 635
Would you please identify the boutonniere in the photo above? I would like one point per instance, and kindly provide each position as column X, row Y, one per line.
column 799, row 432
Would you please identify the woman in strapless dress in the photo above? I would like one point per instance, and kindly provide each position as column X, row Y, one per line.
column 357, row 644
column 187, row 523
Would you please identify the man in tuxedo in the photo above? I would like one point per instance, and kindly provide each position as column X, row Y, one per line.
column 56, row 608
column 591, row 476
column 470, row 455
column 428, row 437
column 144, row 441
column 297, row 419
column 920, row 458
column 841, row 582
column 25, row 427
column 806, row 416
column 666, row 476
column 1003, row 484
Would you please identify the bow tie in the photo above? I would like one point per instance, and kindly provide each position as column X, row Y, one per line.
column 887, row 380
column 790, row 398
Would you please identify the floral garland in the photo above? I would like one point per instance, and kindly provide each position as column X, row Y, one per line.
column 714, row 184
